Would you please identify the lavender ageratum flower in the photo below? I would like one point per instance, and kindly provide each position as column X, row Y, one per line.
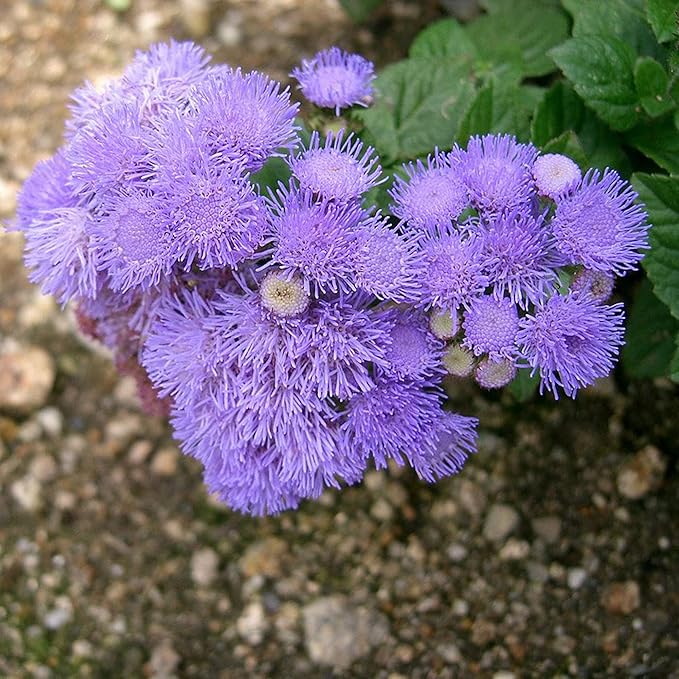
column 133, row 241
column 56, row 225
column 340, row 169
column 316, row 238
column 429, row 196
column 490, row 327
column 112, row 152
column 404, row 421
column 496, row 169
column 518, row 258
column 571, row 341
column 414, row 352
column 453, row 270
column 247, row 114
column 386, row 263
column 336, row 79
column 214, row 213
column 555, row 174
column 598, row 284
column 495, row 373
column 600, row 226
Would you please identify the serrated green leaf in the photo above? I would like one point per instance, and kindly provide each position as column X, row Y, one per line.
column 659, row 141
column 652, row 84
column 601, row 71
column 603, row 147
column 561, row 109
column 663, row 15
column 623, row 19
column 418, row 105
column 360, row 10
column 445, row 38
column 649, row 335
column 660, row 195
column 500, row 108
column 520, row 29
column 523, row 386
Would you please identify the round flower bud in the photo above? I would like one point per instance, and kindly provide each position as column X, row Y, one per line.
column 555, row 174
column 491, row 374
column 444, row 325
column 283, row 296
column 457, row 361
column 598, row 284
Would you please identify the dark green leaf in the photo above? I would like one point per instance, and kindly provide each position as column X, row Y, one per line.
column 623, row 19
column 660, row 195
column 524, row 386
column 602, row 146
column 360, row 10
column 274, row 170
column 652, row 83
column 418, row 105
column 445, row 38
column 659, row 141
column 601, row 71
column 523, row 29
column 663, row 17
column 560, row 110
column 500, row 108
column 650, row 335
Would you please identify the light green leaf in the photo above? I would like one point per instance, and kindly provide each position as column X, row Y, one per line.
column 674, row 364
column 275, row 170
column 523, row 29
column 663, row 15
column 649, row 336
column 659, row 141
column 500, row 108
column 445, row 38
column 652, row 84
column 568, row 144
column 601, row 71
column 418, row 105
column 623, row 19
column 660, row 195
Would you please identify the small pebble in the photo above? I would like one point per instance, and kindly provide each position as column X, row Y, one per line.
column 641, row 473
column 204, row 565
column 165, row 461
column 501, row 520
column 576, row 577
column 621, row 598
column 26, row 379
column 252, row 624
column 164, row 660
column 547, row 528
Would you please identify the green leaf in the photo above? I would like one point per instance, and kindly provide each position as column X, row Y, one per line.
column 650, row 335
column 652, row 84
column 560, row 110
column 274, row 170
column 623, row 19
column 418, row 105
column 523, row 386
column 601, row 71
column 523, row 29
column 360, row 10
column 659, row 141
column 660, row 195
column 444, row 38
column 500, row 108
column 603, row 147
column 674, row 364
column 663, row 15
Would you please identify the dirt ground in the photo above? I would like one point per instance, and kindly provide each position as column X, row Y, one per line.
column 553, row 554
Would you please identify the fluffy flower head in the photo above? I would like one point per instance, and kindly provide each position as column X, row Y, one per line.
column 555, row 174
column 490, row 326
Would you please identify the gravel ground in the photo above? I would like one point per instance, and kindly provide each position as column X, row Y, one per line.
column 552, row 554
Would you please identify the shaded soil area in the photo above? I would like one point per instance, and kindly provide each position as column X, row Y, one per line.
column 554, row 553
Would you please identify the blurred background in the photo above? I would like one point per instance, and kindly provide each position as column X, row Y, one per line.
column 552, row 554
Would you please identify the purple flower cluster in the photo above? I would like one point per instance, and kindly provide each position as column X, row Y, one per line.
column 294, row 335
column 519, row 256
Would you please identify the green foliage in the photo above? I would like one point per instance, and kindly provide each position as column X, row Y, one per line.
column 275, row 170
column 651, row 335
column 663, row 15
column 524, row 386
